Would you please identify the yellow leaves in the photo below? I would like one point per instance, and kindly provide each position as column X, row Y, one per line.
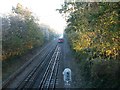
column 107, row 44
column 113, row 39
column 104, row 22
column 84, row 41
column 108, row 52
column 113, row 52
column 77, row 48
column 103, row 36
column 112, row 22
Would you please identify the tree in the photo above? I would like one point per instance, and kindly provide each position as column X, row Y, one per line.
column 21, row 32
column 94, row 35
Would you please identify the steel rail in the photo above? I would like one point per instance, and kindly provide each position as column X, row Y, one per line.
column 26, row 82
column 54, row 77
column 15, row 74
column 52, row 71
column 46, row 71
column 56, row 73
column 45, row 60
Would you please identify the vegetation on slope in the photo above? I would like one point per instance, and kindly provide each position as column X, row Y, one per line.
column 93, row 31
column 22, row 32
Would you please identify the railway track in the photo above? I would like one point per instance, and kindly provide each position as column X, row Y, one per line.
column 29, row 79
column 49, row 78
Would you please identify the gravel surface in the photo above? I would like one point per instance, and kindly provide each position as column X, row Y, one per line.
column 68, row 61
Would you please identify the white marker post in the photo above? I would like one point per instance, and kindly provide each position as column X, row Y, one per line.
column 67, row 76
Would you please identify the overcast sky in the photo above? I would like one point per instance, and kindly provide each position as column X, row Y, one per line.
column 44, row 9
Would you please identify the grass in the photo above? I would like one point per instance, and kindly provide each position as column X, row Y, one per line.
column 12, row 64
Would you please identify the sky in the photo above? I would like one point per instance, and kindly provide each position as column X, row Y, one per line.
column 45, row 10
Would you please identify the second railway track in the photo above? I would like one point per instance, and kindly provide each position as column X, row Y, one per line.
column 38, row 69
column 49, row 78
column 31, row 78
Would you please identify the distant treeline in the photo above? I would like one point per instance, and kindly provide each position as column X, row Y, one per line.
column 93, row 32
column 21, row 32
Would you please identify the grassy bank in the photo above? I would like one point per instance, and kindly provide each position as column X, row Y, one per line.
column 93, row 33
column 10, row 65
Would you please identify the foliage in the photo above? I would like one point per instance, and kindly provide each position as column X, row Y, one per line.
column 93, row 31
column 21, row 32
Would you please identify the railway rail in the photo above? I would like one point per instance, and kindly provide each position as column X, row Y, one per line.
column 45, row 65
column 49, row 78
column 30, row 79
